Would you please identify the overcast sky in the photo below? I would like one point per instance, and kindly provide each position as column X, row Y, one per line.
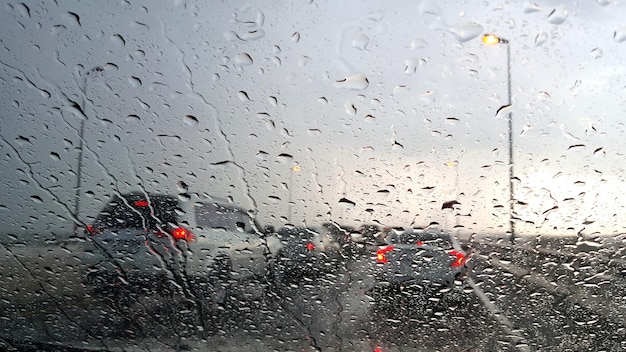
column 389, row 109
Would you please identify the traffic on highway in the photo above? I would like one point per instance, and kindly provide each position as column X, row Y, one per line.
column 356, row 175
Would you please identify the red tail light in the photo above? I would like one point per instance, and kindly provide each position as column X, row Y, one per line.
column 181, row 233
column 458, row 260
column 310, row 246
column 92, row 230
column 141, row 203
column 381, row 256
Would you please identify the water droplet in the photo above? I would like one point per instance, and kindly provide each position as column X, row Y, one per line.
column 596, row 53
column 243, row 59
column 72, row 18
column 620, row 34
column 133, row 118
column 253, row 35
column 428, row 97
column 191, row 120
column 118, row 39
column 418, row 44
column 466, row 31
column 558, row 15
column 530, row 7
column 357, row 81
column 429, row 7
column 346, row 203
column 285, row 158
column 314, row 132
column 55, row 156
column 350, row 109
column 396, row 146
column 411, row 65
column 576, row 147
column 303, row 61
column 37, row 199
column 401, row 89
column 543, row 97
column 243, row 96
column 134, row 82
column 370, row 118
column 541, row 38
column 360, row 41
column 23, row 9
column 603, row 2
column 295, row 37
column 184, row 197
column 504, row 109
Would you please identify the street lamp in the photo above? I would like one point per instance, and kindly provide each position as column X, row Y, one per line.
column 491, row 39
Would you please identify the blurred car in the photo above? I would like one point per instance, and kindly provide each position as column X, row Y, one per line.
column 306, row 252
column 144, row 239
column 417, row 261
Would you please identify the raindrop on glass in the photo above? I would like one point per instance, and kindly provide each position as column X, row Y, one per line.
column 191, row 120
column 530, row 7
column 596, row 53
column 466, row 31
column 253, row 35
column 118, row 39
column 360, row 41
column 357, row 81
column 541, row 38
column 558, row 15
column 620, row 34
column 243, row 59
column 346, row 203
column 36, row 199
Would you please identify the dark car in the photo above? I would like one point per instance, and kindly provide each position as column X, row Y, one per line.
column 417, row 265
column 306, row 252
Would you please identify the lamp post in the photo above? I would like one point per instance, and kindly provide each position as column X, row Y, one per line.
column 491, row 39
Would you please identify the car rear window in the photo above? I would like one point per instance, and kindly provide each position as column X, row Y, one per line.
column 218, row 216
column 134, row 212
column 422, row 238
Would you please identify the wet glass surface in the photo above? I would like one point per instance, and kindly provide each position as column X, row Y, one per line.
column 312, row 176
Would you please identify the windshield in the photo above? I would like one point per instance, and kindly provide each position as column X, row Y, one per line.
column 314, row 175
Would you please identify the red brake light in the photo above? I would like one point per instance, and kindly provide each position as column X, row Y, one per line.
column 310, row 246
column 181, row 233
column 381, row 254
column 92, row 230
column 459, row 258
column 141, row 203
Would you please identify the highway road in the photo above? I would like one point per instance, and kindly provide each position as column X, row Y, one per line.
column 556, row 295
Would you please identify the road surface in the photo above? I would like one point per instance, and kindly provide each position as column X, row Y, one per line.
column 555, row 296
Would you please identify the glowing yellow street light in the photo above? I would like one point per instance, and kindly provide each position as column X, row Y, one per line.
column 296, row 168
column 492, row 39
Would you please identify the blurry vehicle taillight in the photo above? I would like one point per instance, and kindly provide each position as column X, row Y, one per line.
column 310, row 246
column 181, row 233
column 459, row 258
column 92, row 230
column 381, row 254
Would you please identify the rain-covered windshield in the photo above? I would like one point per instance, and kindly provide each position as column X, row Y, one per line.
column 245, row 175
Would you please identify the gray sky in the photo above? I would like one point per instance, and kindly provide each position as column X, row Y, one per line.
column 371, row 99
